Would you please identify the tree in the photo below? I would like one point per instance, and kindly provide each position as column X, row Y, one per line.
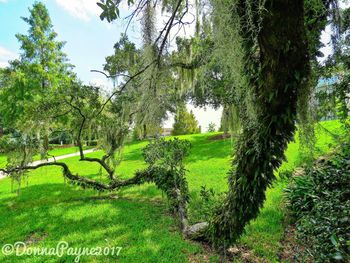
column 185, row 122
column 150, row 105
column 31, row 85
column 85, row 109
column 230, row 121
column 336, row 99
column 273, row 66
column 268, row 67
column 211, row 127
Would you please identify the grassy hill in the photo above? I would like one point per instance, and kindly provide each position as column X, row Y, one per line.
column 48, row 210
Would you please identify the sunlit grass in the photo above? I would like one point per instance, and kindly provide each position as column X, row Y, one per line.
column 48, row 210
column 58, row 151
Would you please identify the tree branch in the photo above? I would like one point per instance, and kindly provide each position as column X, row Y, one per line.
column 139, row 178
column 168, row 27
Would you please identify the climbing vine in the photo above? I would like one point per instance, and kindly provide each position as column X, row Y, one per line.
column 267, row 67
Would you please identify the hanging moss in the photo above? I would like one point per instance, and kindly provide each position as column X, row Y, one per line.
column 272, row 60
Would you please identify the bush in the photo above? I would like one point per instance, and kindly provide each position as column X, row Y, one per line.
column 92, row 143
column 165, row 159
column 8, row 143
column 319, row 200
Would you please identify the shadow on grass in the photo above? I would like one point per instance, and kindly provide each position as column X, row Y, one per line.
column 60, row 213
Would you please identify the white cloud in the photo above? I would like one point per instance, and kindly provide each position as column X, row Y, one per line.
column 86, row 10
column 3, row 1
column 5, row 56
column 344, row 4
column 82, row 9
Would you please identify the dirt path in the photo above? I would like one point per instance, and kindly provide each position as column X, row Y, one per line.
column 2, row 175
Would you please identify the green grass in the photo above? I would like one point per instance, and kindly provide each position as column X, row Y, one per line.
column 64, row 151
column 3, row 160
column 55, row 152
column 264, row 233
column 48, row 210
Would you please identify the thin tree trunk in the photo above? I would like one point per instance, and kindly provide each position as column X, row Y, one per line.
column 144, row 131
column 46, row 142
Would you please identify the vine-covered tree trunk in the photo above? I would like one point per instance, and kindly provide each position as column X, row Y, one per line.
column 277, row 72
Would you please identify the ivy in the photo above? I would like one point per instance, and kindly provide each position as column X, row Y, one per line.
column 319, row 201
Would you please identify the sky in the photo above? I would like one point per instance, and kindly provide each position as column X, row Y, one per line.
column 88, row 40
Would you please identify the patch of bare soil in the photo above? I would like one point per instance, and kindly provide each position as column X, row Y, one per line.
column 290, row 248
column 221, row 136
column 244, row 254
column 35, row 237
column 203, row 257
column 199, row 258
column 233, row 254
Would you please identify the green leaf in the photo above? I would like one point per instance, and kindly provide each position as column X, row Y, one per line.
column 334, row 240
column 338, row 256
column 103, row 7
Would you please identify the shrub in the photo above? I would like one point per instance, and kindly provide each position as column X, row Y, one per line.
column 165, row 159
column 92, row 143
column 319, row 200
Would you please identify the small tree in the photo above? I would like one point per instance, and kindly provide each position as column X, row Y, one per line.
column 185, row 122
column 211, row 127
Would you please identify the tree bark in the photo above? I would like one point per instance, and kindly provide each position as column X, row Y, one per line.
column 144, row 135
column 138, row 178
column 46, row 142
column 276, row 77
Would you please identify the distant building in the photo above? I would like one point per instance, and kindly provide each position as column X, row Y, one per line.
column 166, row 132
column 324, row 93
column 325, row 89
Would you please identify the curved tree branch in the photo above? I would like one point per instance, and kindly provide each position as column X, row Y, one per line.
column 139, row 177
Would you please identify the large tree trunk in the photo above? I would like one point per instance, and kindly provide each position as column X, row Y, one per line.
column 279, row 73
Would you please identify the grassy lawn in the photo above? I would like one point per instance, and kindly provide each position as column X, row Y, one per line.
column 63, row 151
column 3, row 160
column 48, row 210
column 54, row 152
